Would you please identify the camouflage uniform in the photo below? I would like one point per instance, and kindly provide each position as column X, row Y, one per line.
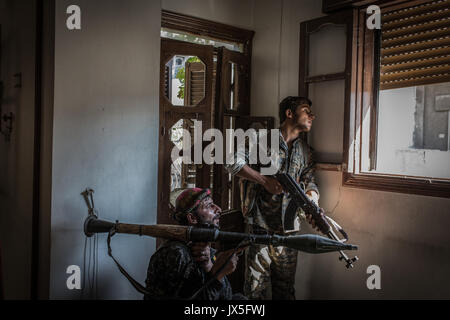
column 264, row 213
column 173, row 274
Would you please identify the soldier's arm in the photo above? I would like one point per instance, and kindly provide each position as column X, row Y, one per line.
column 308, row 178
column 269, row 183
column 241, row 169
column 238, row 161
column 220, row 288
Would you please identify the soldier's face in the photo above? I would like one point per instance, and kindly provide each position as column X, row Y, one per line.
column 208, row 212
column 304, row 117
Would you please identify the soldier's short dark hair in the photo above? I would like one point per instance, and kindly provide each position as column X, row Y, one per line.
column 291, row 103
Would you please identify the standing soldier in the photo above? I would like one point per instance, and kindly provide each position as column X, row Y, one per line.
column 264, row 205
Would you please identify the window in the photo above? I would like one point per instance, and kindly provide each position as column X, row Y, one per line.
column 394, row 100
column 400, row 137
column 420, row 119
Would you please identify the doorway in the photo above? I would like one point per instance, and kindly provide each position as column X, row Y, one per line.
column 204, row 83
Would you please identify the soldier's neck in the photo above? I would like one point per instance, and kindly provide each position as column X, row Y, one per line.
column 289, row 132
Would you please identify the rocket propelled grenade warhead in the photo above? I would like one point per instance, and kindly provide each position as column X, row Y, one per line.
column 316, row 244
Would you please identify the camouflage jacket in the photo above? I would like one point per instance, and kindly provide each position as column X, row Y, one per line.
column 264, row 209
column 174, row 275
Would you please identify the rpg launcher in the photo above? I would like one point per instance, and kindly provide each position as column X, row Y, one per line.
column 306, row 243
column 299, row 199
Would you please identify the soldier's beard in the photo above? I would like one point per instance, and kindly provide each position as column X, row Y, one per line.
column 302, row 126
column 204, row 223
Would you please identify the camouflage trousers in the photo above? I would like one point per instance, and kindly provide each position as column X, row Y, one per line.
column 270, row 272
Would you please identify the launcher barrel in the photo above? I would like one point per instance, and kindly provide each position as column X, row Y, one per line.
column 306, row 243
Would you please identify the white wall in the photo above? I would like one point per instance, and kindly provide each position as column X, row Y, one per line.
column 275, row 60
column 406, row 235
column 105, row 131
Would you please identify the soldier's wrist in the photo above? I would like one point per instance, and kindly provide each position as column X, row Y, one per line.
column 263, row 180
column 314, row 196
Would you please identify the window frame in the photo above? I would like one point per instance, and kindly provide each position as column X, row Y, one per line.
column 344, row 18
column 363, row 84
column 207, row 28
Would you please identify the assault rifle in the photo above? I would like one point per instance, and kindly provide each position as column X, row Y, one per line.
column 299, row 199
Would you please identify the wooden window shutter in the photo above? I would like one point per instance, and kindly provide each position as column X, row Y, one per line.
column 415, row 45
column 167, row 82
column 195, row 83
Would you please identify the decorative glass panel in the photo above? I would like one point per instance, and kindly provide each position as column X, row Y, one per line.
column 182, row 175
column 185, row 80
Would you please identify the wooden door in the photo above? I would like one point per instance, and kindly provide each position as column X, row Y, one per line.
column 185, row 99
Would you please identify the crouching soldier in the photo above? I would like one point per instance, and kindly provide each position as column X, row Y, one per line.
column 178, row 270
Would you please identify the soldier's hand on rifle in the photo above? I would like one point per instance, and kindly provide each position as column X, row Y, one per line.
column 201, row 251
column 221, row 259
column 272, row 185
column 312, row 222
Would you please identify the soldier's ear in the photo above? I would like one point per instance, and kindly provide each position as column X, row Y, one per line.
column 289, row 114
column 191, row 218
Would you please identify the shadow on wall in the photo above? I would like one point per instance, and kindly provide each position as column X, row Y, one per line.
column 405, row 235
